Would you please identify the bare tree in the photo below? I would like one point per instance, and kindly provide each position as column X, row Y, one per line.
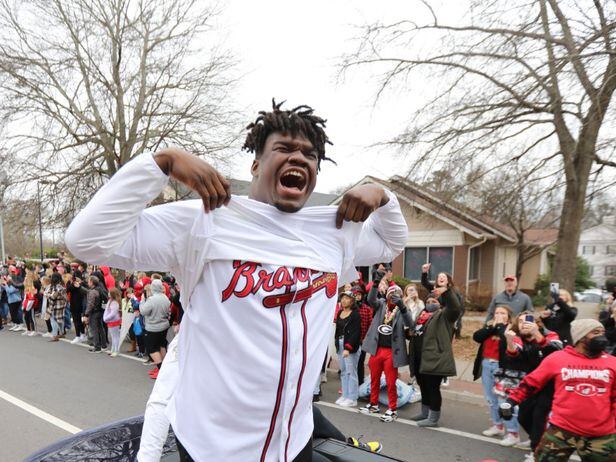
column 528, row 81
column 86, row 85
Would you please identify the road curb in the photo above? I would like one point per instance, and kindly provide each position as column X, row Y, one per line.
column 464, row 396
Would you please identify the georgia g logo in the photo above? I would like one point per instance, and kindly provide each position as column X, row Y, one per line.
column 585, row 389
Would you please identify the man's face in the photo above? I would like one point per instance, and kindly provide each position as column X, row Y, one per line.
column 599, row 331
column 510, row 285
column 286, row 172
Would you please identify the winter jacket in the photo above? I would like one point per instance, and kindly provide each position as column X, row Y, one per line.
column 96, row 298
column 560, row 320
column 56, row 300
column 108, row 278
column 76, row 297
column 610, row 331
column 436, row 349
column 12, row 292
column 584, row 391
column 505, row 361
column 111, row 316
column 398, row 339
column 351, row 331
column 155, row 310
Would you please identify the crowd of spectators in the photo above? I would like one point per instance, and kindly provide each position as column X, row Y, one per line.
column 394, row 325
column 62, row 296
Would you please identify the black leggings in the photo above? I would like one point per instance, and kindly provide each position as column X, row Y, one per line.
column 430, row 386
column 29, row 320
column 76, row 315
column 15, row 314
column 304, row 456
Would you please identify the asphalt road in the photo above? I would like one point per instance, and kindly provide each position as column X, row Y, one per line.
column 82, row 390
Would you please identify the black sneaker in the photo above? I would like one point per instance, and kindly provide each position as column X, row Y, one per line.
column 94, row 350
column 370, row 409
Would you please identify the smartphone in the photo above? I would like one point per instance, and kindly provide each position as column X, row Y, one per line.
column 554, row 287
column 529, row 318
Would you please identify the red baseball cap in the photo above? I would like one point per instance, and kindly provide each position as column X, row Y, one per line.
column 510, row 277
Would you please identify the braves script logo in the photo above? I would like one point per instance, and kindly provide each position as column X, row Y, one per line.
column 246, row 280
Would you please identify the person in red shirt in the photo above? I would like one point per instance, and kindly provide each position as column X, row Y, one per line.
column 493, row 365
column 583, row 417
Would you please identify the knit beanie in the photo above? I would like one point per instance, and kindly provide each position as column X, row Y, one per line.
column 581, row 327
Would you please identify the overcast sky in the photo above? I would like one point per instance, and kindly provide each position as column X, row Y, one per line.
column 290, row 50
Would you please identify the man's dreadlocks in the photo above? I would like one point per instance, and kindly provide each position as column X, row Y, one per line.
column 297, row 121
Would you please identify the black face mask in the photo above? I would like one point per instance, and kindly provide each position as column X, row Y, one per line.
column 597, row 345
column 432, row 307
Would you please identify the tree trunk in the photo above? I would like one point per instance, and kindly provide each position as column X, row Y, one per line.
column 569, row 236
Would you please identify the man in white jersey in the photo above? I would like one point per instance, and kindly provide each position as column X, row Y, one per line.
column 259, row 278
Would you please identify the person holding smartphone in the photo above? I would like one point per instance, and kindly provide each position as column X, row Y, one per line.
column 530, row 343
column 559, row 314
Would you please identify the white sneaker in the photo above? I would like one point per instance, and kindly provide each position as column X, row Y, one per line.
column 83, row 338
column 33, row 333
column 20, row 328
column 75, row 340
column 48, row 334
column 509, row 440
column 25, row 332
column 340, row 400
column 348, row 403
column 15, row 328
column 389, row 416
column 494, row 431
column 525, row 445
column 530, row 457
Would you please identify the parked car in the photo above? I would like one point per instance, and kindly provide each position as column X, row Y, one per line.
column 591, row 296
column 119, row 442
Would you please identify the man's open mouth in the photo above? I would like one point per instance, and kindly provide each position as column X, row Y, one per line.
column 294, row 179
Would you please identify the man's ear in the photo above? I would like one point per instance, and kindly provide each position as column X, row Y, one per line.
column 254, row 169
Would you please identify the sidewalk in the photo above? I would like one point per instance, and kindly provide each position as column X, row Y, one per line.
column 460, row 388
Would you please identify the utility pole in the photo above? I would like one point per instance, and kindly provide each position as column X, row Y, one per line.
column 2, row 240
column 38, row 195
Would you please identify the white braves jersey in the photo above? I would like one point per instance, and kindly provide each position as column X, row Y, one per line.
column 254, row 335
column 251, row 354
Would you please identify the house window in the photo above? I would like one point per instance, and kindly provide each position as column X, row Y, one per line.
column 588, row 250
column 440, row 257
column 611, row 250
column 591, row 270
column 610, row 270
column 473, row 266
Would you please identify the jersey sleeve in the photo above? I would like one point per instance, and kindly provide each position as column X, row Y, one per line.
column 534, row 381
column 383, row 235
column 116, row 229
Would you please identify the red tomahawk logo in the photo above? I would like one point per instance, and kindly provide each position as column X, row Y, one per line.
column 327, row 281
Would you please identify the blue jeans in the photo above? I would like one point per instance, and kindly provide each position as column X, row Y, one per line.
column 487, row 380
column 55, row 328
column 4, row 310
column 348, row 372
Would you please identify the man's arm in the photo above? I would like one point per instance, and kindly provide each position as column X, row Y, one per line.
column 533, row 382
column 383, row 235
column 528, row 306
column 115, row 228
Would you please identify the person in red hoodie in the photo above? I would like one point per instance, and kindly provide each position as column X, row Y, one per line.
column 109, row 279
column 583, row 417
